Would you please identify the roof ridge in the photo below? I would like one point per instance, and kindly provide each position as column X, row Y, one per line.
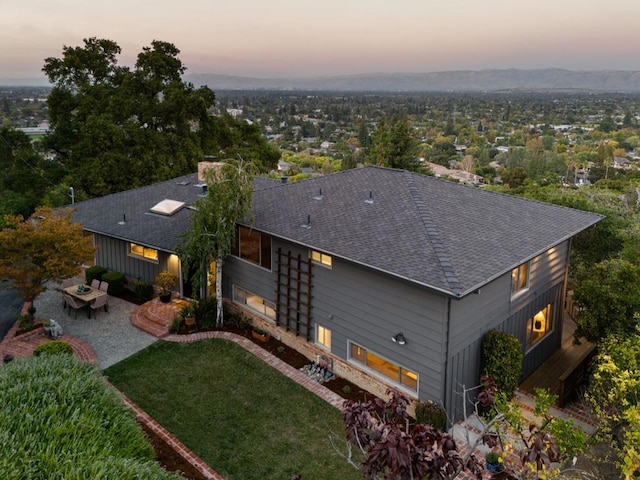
column 440, row 249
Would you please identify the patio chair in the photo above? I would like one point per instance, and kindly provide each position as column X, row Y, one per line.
column 99, row 302
column 104, row 286
column 67, row 282
column 73, row 303
column 95, row 283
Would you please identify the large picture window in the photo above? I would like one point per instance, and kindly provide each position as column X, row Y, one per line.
column 253, row 246
column 520, row 279
column 143, row 252
column 539, row 325
column 397, row 374
column 254, row 302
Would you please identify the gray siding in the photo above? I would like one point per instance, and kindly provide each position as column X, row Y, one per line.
column 113, row 254
column 492, row 308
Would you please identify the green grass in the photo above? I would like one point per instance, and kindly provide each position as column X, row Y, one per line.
column 243, row 418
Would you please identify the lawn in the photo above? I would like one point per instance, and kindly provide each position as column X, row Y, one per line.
column 243, row 418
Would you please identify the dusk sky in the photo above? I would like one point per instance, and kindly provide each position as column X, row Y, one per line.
column 297, row 38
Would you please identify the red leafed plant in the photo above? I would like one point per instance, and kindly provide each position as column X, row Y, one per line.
column 393, row 450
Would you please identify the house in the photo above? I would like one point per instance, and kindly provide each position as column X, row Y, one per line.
column 393, row 278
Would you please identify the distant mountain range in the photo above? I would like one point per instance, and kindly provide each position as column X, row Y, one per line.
column 458, row 81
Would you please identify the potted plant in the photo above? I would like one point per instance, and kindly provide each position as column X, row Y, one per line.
column 260, row 335
column 493, row 462
column 166, row 280
column 188, row 312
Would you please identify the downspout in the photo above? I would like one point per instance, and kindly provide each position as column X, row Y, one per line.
column 447, row 398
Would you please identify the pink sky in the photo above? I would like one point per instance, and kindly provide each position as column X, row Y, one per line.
column 300, row 38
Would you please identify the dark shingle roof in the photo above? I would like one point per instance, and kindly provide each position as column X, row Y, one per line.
column 447, row 236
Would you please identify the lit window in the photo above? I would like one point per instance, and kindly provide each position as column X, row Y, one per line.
column 146, row 253
column 254, row 302
column 323, row 337
column 520, row 279
column 397, row 374
column 539, row 325
column 321, row 258
column 252, row 246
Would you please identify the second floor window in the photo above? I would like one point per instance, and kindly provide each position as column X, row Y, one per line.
column 520, row 278
column 253, row 246
column 321, row 258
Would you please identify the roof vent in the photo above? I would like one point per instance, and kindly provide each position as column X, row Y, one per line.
column 369, row 201
column 308, row 224
column 167, row 207
column 123, row 221
column 319, row 196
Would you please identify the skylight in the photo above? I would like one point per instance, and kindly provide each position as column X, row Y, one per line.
column 167, row 207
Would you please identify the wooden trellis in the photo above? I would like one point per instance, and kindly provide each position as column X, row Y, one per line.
column 293, row 293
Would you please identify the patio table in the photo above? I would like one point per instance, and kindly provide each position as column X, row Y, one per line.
column 88, row 296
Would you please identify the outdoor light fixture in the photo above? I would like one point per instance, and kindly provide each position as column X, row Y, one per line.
column 399, row 339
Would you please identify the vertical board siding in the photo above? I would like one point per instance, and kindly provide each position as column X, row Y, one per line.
column 493, row 308
column 113, row 254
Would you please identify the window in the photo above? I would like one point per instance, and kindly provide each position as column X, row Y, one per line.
column 323, row 337
column 254, row 302
column 321, row 258
column 145, row 253
column 520, row 279
column 539, row 325
column 397, row 374
column 253, row 246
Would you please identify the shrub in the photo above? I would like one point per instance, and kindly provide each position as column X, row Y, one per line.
column 206, row 311
column 116, row 280
column 143, row 291
column 346, row 389
column 176, row 324
column 166, row 281
column 502, row 360
column 63, row 421
column 54, row 347
column 233, row 319
column 94, row 273
column 432, row 414
column 26, row 325
column 280, row 349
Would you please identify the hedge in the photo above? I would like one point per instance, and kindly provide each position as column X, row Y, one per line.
column 116, row 281
column 54, row 347
column 94, row 273
column 502, row 360
column 60, row 420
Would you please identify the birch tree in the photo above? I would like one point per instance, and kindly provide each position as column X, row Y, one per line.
column 213, row 223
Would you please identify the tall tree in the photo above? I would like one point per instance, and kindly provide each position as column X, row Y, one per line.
column 114, row 128
column 394, row 145
column 213, row 222
column 48, row 246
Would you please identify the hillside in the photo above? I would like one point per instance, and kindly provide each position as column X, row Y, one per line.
column 466, row 80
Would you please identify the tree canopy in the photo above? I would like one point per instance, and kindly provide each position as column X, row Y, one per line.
column 114, row 128
column 47, row 246
column 213, row 223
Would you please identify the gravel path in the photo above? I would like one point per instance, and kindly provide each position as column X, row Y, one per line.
column 111, row 334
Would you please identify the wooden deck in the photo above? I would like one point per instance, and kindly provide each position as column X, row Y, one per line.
column 564, row 370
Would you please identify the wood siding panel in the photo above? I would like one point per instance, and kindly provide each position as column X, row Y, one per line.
column 113, row 254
